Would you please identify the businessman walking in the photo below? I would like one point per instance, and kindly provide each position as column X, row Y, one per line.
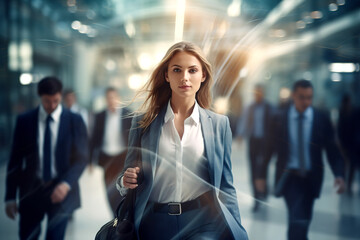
column 49, row 153
column 300, row 134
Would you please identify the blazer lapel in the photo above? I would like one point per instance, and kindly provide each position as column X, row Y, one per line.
column 150, row 141
column 209, row 144
column 63, row 130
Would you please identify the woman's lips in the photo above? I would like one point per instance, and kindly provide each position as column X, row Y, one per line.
column 185, row 87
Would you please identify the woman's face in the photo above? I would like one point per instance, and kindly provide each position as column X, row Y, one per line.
column 185, row 75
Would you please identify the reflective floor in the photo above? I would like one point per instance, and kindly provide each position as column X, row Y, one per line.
column 335, row 217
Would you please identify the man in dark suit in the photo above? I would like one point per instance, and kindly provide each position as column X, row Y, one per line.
column 109, row 142
column 48, row 155
column 255, row 126
column 300, row 134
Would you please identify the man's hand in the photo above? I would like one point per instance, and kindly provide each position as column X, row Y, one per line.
column 59, row 193
column 11, row 209
column 130, row 177
column 339, row 185
column 260, row 185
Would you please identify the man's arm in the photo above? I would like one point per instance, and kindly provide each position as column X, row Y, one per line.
column 14, row 167
column 333, row 154
column 14, row 171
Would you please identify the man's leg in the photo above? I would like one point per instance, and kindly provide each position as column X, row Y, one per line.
column 57, row 223
column 299, row 203
column 30, row 223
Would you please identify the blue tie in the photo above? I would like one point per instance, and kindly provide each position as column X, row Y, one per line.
column 47, row 151
column 301, row 149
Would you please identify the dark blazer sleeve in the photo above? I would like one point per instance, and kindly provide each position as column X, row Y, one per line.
column 227, row 194
column 15, row 163
column 332, row 151
column 80, row 150
column 133, row 146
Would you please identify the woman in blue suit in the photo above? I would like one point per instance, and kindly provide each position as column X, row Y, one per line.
column 184, row 184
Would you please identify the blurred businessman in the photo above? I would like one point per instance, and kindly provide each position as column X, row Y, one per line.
column 49, row 153
column 70, row 102
column 109, row 142
column 300, row 134
column 254, row 125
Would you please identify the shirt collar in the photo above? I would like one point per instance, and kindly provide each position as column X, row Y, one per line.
column 55, row 114
column 195, row 116
column 295, row 114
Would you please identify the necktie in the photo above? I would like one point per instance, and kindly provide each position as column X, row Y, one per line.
column 47, row 151
column 301, row 150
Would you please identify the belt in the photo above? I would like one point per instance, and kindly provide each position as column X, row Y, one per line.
column 175, row 208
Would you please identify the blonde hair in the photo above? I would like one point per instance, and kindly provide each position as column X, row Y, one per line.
column 158, row 89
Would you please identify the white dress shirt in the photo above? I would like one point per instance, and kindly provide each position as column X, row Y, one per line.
column 113, row 143
column 54, row 128
column 294, row 162
column 182, row 170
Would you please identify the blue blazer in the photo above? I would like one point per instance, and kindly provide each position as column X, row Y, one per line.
column 322, row 138
column 217, row 141
column 71, row 157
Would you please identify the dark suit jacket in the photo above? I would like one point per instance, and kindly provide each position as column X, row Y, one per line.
column 71, row 156
column 97, row 136
column 322, row 138
column 266, row 119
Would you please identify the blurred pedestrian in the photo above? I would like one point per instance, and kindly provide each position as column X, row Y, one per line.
column 48, row 155
column 347, row 134
column 109, row 142
column 299, row 135
column 255, row 126
column 70, row 102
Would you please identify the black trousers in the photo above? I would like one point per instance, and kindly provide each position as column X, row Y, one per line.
column 256, row 158
column 33, row 209
column 299, row 201
column 112, row 165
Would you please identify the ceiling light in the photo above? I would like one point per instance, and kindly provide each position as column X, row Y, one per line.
column 342, row 67
column 76, row 25
column 26, row 78
column 316, row 14
column 333, row 7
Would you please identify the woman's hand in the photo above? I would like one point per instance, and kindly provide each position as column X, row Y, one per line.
column 130, row 177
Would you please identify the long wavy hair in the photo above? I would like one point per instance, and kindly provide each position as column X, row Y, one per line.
column 158, row 89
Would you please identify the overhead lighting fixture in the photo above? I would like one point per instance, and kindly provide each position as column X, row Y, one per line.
column 136, row 81
column 284, row 93
column 179, row 21
column 316, row 14
column 300, row 24
column 76, row 25
column 145, row 61
column 340, row 2
column 333, row 7
column 26, row 78
column 234, row 8
column 130, row 29
column 342, row 67
column 336, row 77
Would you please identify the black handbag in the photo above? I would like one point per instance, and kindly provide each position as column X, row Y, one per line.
column 122, row 226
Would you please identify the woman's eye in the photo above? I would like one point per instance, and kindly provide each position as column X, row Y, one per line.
column 193, row 70
column 176, row 70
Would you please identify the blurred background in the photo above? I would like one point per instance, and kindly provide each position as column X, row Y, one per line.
column 93, row 44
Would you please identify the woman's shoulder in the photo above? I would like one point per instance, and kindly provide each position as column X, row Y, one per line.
column 215, row 117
